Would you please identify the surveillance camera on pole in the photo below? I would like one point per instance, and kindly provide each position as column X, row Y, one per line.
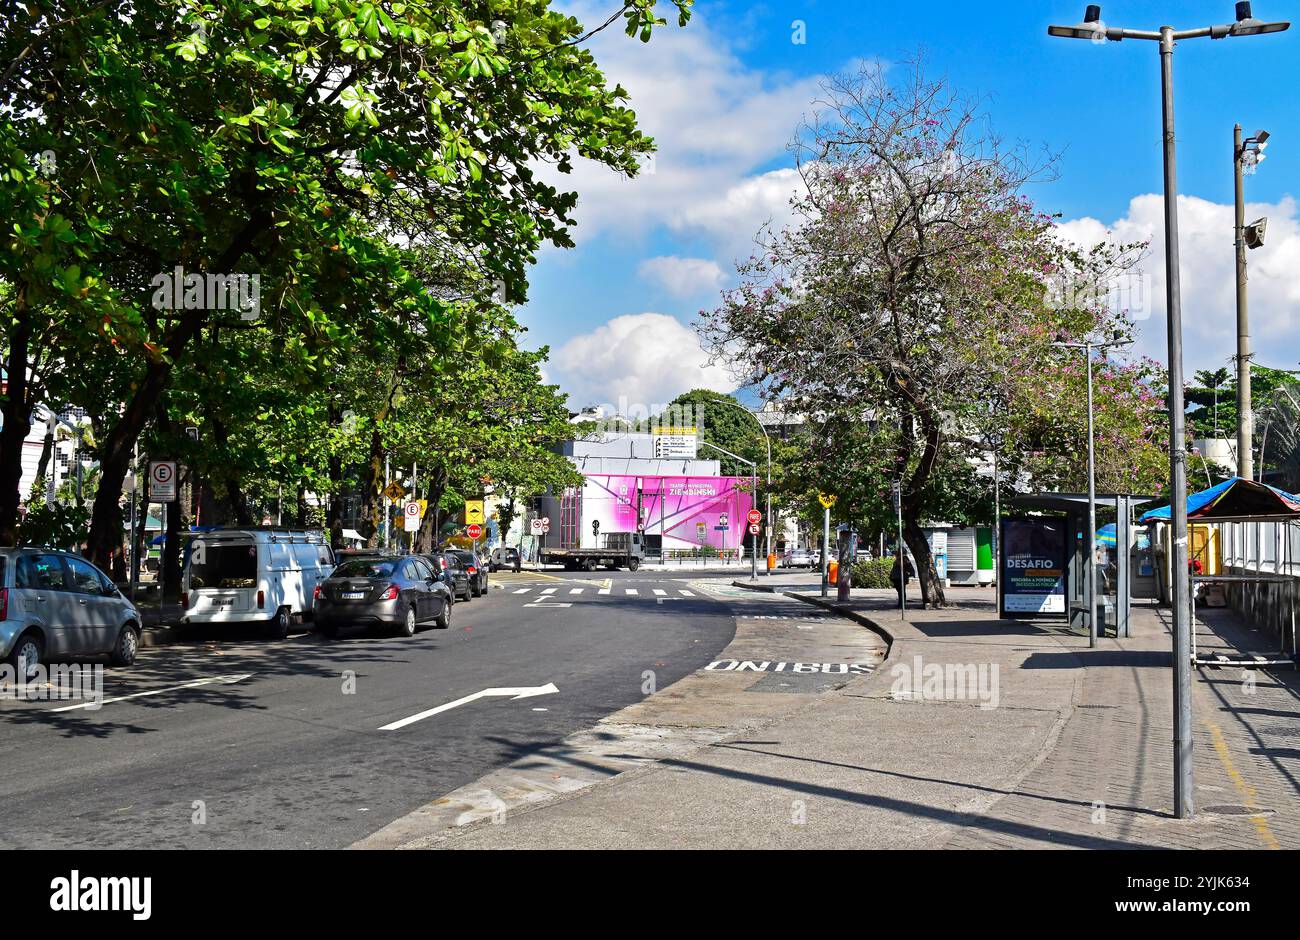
column 1254, row 233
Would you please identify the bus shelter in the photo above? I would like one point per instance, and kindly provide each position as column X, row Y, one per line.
column 1114, row 567
column 1234, row 509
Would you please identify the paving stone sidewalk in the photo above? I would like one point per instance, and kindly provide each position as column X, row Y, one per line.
column 1077, row 752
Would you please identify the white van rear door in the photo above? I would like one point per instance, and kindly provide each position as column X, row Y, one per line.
column 222, row 575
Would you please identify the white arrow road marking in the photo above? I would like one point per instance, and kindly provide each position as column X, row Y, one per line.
column 548, row 606
column 516, row 693
column 225, row 680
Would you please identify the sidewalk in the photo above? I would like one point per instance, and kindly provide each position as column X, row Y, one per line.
column 1075, row 753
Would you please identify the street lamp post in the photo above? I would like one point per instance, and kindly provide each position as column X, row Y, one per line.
column 1088, row 346
column 1092, row 28
column 768, row 518
column 1247, row 153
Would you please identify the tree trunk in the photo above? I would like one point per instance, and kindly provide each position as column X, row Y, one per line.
column 371, row 499
column 43, row 466
column 17, row 410
column 436, row 484
column 931, row 587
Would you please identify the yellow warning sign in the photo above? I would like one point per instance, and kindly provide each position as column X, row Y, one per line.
column 474, row 512
column 394, row 491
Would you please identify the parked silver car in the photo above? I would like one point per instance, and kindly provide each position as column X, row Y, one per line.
column 55, row 604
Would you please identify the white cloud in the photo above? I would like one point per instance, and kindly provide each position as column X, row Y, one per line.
column 643, row 359
column 682, row 277
column 1208, row 278
column 715, row 121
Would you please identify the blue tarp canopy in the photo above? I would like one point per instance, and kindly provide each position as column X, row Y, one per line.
column 1237, row 498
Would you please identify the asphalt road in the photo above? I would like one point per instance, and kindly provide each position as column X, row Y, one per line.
column 291, row 755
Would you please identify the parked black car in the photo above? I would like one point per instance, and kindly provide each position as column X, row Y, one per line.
column 400, row 592
column 477, row 568
column 451, row 571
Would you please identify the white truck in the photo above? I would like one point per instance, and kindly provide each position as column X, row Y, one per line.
column 258, row 574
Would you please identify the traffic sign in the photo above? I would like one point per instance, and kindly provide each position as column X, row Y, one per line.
column 754, row 517
column 827, row 500
column 753, row 529
column 162, row 480
column 394, row 491
column 411, row 516
column 474, row 531
column 540, row 526
column 474, row 512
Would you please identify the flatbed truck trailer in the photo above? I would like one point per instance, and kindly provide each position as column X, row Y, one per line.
column 621, row 550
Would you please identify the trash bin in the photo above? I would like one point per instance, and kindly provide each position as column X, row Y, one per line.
column 832, row 575
column 771, row 561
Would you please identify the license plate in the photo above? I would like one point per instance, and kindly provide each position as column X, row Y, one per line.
column 223, row 602
column 354, row 595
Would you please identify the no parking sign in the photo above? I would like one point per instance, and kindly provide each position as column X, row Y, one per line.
column 162, row 480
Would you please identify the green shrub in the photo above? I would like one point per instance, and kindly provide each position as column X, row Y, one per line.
column 873, row 573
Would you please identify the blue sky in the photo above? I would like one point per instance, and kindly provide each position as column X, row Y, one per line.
column 724, row 95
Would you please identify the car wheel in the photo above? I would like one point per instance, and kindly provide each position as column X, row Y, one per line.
column 408, row 625
column 443, row 620
column 124, row 650
column 469, row 593
column 28, row 650
column 278, row 628
column 633, row 564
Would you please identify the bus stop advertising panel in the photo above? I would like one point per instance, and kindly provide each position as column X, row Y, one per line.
column 1034, row 564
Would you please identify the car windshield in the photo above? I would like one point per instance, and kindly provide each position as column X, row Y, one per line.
column 466, row 557
column 366, row 568
column 232, row 565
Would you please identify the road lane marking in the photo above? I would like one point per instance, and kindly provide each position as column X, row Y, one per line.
column 630, row 590
column 523, row 590
column 546, row 606
column 660, row 593
column 549, row 591
column 514, row 693
column 576, row 590
column 686, row 593
column 226, row 680
column 603, row 591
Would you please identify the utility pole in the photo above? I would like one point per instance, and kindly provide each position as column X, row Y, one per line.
column 1097, row 32
column 1245, row 420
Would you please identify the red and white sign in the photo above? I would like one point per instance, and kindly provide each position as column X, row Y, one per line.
column 411, row 516
column 474, row 531
column 162, row 481
column 754, row 517
column 753, row 530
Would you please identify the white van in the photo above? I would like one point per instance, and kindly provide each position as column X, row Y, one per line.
column 254, row 575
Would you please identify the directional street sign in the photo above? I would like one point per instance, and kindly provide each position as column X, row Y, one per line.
column 474, row 531
column 162, row 481
column 394, row 491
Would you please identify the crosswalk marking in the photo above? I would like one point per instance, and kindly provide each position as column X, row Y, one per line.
column 660, row 594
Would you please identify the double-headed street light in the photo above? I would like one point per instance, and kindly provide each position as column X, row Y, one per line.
column 1094, row 29
column 1088, row 346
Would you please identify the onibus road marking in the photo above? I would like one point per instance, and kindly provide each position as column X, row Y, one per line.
column 515, row 693
column 225, row 680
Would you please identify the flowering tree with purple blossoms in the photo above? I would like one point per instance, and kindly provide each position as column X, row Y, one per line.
column 913, row 306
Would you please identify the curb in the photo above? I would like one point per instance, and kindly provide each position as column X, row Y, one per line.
column 832, row 606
